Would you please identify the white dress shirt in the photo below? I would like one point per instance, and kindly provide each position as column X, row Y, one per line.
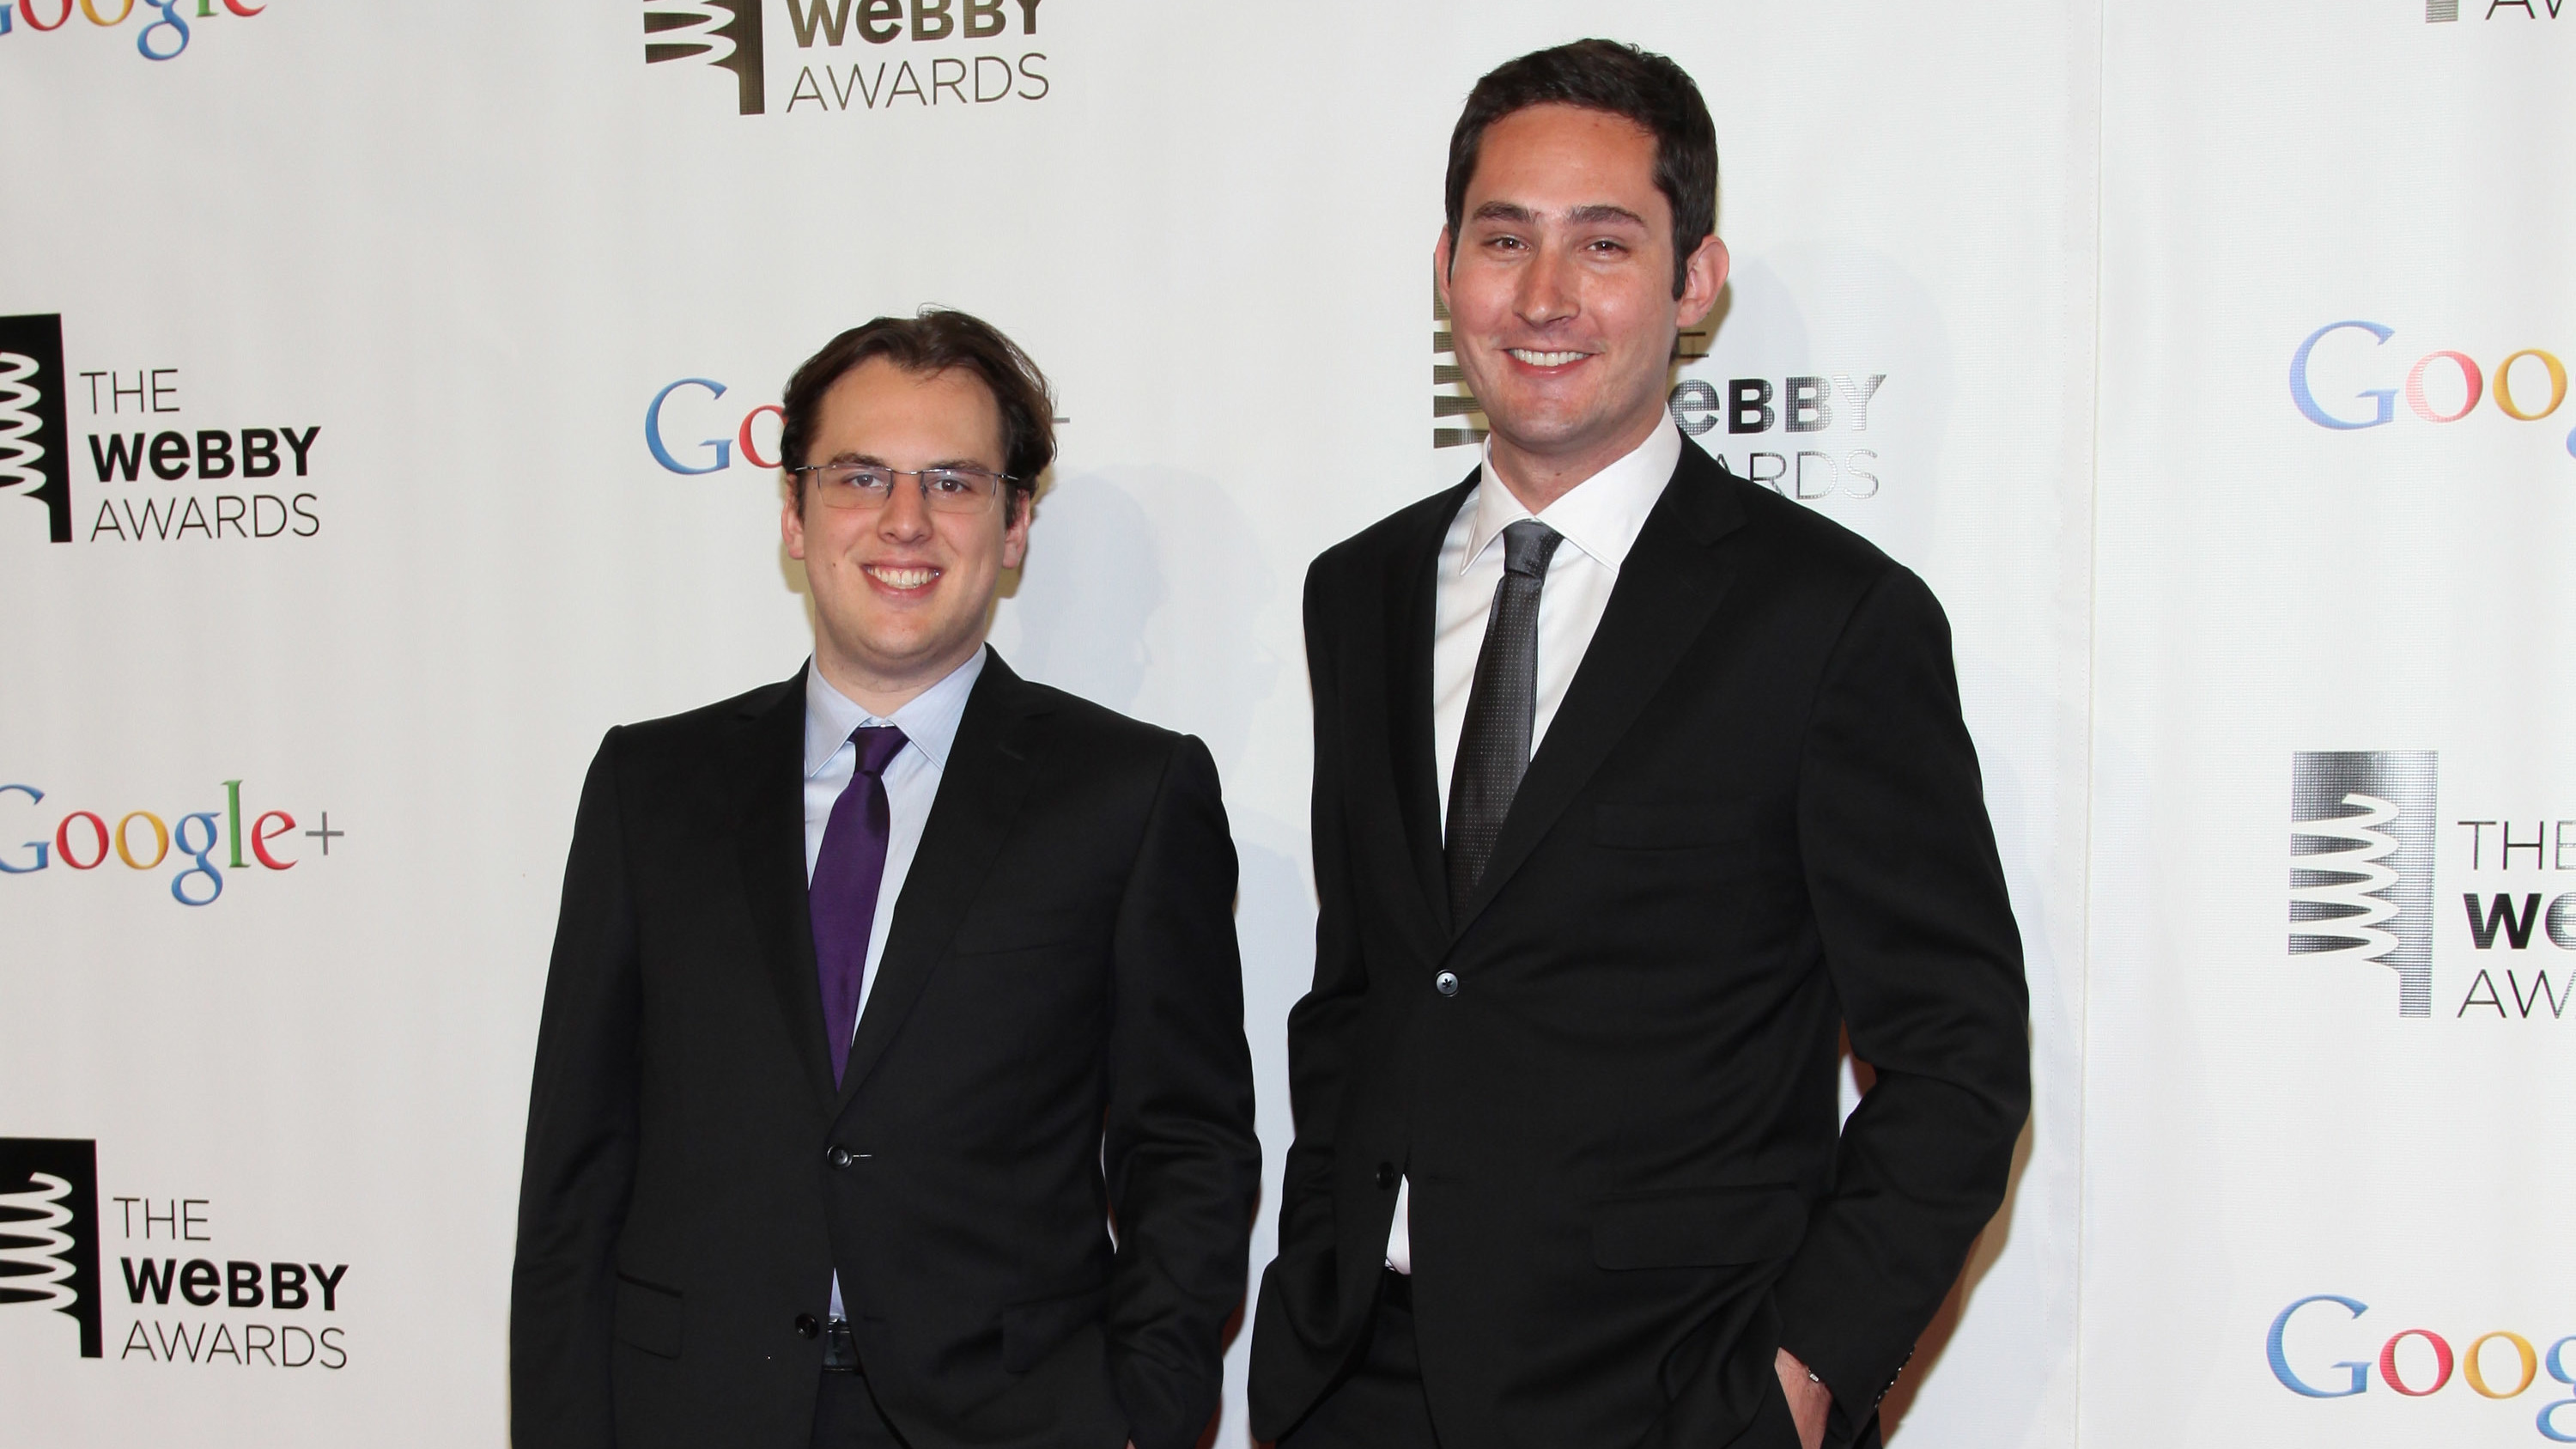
column 1600, row 518
column 929, row 724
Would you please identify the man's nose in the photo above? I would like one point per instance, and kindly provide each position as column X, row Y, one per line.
column 1547, row 293
column 906, row 515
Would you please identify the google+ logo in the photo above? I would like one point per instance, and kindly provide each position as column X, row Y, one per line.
column 2486, row 1353
column 172, row 27
column 2531, row 365
column 83, row 840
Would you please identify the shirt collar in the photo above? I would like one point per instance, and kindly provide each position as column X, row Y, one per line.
column 1601, row 516
column 928, row 720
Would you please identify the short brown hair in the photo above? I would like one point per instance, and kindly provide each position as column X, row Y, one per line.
column 1620, row 80
column 933, row 340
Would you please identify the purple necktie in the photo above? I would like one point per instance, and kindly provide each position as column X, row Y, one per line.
column 843, row 896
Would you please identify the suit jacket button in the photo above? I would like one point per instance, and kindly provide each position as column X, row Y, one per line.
column 1386, row 1174
column 1446, row 983
column 806, row 1327
column 838, row 1156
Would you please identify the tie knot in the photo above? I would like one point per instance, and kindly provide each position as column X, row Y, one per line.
column 1527, row 546
column 877, row 745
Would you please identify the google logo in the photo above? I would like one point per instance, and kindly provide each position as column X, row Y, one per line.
column 2497, row 1365
column 142, row 840
column 172, row 27
column 661, row 450
column 2517, row 383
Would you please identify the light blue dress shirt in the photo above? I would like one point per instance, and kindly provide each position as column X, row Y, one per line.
column 929, row 723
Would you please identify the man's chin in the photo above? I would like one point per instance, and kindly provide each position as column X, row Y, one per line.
column 1549, row 433
column 921, row 660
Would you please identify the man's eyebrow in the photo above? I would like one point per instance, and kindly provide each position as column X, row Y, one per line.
column 846, row 458
column 1601, row 211
column 1593, row 214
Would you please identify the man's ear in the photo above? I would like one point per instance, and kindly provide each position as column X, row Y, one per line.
column 1440, row 264
column 1015, row 534
column 1703, row 277
column 791, row 524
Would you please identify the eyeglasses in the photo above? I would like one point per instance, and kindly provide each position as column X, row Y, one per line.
column 871, row 486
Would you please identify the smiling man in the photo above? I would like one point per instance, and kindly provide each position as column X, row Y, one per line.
column 877, row 995
column 1635, row 786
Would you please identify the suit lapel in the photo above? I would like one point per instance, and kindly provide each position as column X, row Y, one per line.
column 769, row 848
column 1414, row 589
column 990, row 769
column 1667, row 589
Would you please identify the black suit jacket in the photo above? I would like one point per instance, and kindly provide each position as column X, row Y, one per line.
column 1756, row 817
column 1055, row 1036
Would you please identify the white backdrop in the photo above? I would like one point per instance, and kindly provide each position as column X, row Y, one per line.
column 472, row 243
column 2286, row 1170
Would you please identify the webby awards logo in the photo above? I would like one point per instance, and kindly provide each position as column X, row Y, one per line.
column 156, row 480
column 2361, row 862
column 2365, row 838
column 2444, row 12
column 35, row 459
column 182, row 1301
column 49, row 1231
column 725, row 34
column 858, row 55
column 1803, row 436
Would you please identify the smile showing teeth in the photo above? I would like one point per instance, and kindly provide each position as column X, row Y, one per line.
column 1545, row 359
column 895, row 578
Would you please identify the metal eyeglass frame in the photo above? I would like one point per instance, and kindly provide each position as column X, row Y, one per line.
column 920, row 478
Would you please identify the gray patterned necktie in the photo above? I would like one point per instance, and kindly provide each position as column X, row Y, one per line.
column 1502, row 707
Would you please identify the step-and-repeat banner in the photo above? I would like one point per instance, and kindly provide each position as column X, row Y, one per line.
column 2333, row 910
column 387, row 408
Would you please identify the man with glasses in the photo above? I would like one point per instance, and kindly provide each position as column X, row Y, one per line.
column 880, row 996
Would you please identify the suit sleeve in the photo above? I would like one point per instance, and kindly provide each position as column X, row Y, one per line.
column 1183, row 1166
column 1324, row 1025
column 1919, row 939
column 1296, row 1322
column 579, row 1167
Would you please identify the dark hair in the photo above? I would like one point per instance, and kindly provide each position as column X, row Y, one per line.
column 1605, row 75
column 934, row 340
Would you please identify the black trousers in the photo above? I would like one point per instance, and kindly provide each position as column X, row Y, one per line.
column 1381, row 1405
column 846, row 1416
